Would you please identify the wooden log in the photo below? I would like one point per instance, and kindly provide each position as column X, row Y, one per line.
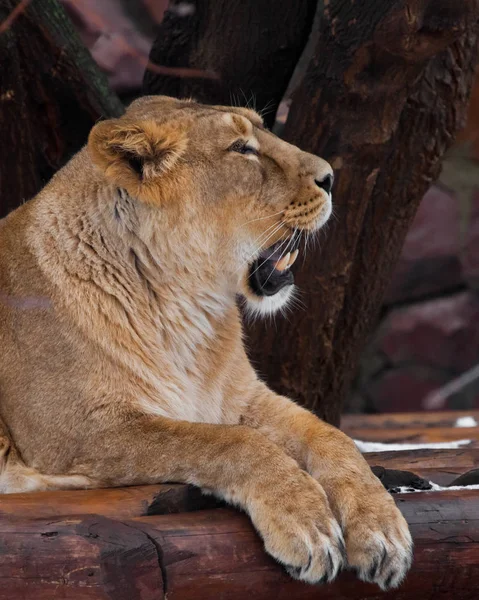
column 439, row 466
column 217, row 554
column 446, row 418
column 87, row 558
column 460, row 460
column 419, row 435
column 121, row 503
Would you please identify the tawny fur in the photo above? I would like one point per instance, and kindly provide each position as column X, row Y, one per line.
column 122, row 354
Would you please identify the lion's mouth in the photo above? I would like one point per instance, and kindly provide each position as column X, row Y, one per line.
column 271, row 272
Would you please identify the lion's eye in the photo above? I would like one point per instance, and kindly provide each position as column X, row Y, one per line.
column 242, row 147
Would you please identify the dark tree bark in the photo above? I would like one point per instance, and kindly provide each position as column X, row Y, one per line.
column 384, row 93
column 253, row 47
column 383, row 96
column 51, row 94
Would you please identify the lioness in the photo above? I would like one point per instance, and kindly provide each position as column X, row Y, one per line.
column 122, row 355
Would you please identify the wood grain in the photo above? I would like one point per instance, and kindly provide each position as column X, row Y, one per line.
column 241, row 41
column 416, row 435
column 439, row 466
column 382, row 97
column 217, row 554
column 389, row 421
column 85, row 558
column 120, row 503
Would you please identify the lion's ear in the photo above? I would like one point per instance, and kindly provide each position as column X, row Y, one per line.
column 133, row 154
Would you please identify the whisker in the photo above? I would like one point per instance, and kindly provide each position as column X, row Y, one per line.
column 236, row 101
column 266, row 260
column 260, row 241
column 253, row 98
column 309, row 238
column 262, row 218
column 267, row 230
column 267, row 109
column 260, row 265
column 297, row 302
column 334, row 215
column 246, row 101
column 301, row 237
column 305, row 246
column 316, row 240
column 270, row 235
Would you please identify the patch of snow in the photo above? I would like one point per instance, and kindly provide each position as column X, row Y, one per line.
column 466, row 422
column 438, row 488
column 382, row 447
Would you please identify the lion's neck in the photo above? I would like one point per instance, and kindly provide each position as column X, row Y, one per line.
column 126, row 288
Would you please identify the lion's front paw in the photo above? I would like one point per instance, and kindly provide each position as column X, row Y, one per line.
column 299, row 529
column 378, row 542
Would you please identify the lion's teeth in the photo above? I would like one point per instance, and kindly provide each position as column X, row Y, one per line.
column 283, row 263
column 294, row 256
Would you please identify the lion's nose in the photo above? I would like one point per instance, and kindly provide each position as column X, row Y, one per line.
column 325, row 183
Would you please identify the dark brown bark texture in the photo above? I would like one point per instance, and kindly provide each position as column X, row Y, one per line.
column 252, row 46
column 51, row 94
column 385, row 91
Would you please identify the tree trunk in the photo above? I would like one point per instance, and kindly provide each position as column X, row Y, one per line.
column 51, row 94
column 383, row 96
column 252, row 46
column 384, row 93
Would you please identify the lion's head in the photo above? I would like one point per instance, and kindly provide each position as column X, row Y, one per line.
column 221, row 185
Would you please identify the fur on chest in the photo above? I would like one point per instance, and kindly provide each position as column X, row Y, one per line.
column 195, row 368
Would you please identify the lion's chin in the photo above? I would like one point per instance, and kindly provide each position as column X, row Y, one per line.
column 264, row 306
